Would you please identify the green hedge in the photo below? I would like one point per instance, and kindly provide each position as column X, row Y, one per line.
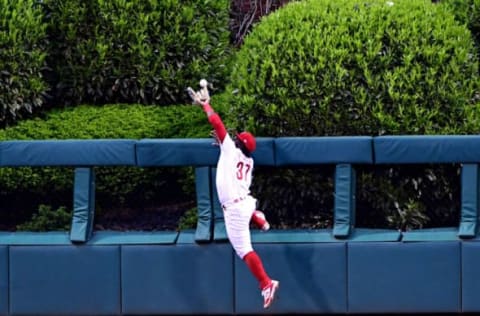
column 22, row 59
column 357, row 68
column 349, row 67
column 466, row 12
column 145, row 52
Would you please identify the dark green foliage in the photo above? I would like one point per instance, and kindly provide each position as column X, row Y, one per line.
column 146, row 52
column 466, row 12
column 295, row 197
column 188, row 220
column 48, row 219
column 22, row 59
column 112, row 121
column 408, row 197
column 357, row 68
column 348, row 67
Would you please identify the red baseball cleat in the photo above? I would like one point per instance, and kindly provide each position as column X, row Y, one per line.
column 268, row 293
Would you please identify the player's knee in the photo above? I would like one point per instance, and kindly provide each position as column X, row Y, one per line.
column 243, row 251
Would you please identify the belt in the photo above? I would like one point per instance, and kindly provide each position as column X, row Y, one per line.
column 237, row 200
column 233, row 201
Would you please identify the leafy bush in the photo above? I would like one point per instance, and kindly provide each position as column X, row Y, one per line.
column 22, row 59
column 348, row 67
column 188, row 220
column 356, row 68
column 48, row 219
column 143, row 52
column 466, row 12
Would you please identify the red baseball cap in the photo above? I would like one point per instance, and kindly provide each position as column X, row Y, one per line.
column 249, row 140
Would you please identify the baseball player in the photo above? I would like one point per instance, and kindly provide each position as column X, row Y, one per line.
column 233, row 180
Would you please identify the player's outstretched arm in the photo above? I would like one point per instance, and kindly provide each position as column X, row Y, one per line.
column 202, row 98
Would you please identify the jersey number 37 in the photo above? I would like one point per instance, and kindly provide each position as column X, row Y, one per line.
column 242, row 170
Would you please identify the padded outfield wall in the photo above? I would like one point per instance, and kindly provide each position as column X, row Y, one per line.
column 342, row 270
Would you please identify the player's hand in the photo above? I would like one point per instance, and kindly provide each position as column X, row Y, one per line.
column 195, row 96
column 213, row 134
column 203, row 93
column 202, row 96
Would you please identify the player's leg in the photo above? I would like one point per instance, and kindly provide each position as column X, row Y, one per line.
column 266, row 284
column 269, row 293
column 258, row 218
column 237, row 222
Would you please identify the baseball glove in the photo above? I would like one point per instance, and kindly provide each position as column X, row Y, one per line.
column 202, row 96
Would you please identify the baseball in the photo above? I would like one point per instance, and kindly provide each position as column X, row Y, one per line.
column 203, row 83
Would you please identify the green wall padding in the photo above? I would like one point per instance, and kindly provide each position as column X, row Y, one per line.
column 470, row 291
column 83, row 205
column 404, row 277
column 35, row 238
column 64, row 280
column 308, row 150
column 4, row 281
column 219, row 230
column 431, row 234
column 313, row 279
column 344, row 203
column 417, row 149
column 374, row 234
column 186, row 279
column 203, row 188
column 293, row 236
column 68, row 152
column 470, row 202
column 134, row 238
column 197, row 152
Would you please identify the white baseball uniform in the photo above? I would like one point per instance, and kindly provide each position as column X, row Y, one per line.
column 233, row 180
column 234, row 177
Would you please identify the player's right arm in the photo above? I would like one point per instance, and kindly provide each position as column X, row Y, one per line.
column 215, row 121
column 202, row 98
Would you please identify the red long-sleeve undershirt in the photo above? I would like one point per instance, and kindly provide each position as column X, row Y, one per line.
column 215, row 121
